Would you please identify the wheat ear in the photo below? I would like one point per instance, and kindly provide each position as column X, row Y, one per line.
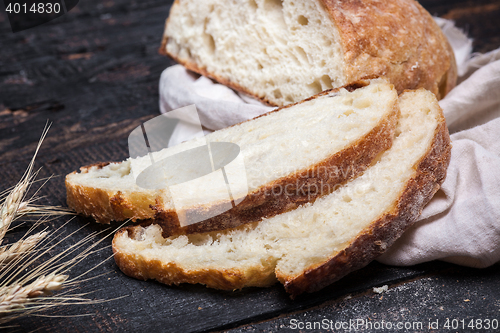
column 16, row 296
column 27, row 276
column 10, row 206
column 12, row 253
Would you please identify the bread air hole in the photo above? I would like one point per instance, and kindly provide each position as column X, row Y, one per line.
column 362, row 103
column 327, row 82
column 347, row 101
column 210, row 43
column 273, row 5
column 301, row 54
column 253, row 4
column 294, row 58
column 302, row 20
column 199, row 239
column 277, row 94
column 315, row 87
column 327, row 42
column 274, row 11
column 185, row 53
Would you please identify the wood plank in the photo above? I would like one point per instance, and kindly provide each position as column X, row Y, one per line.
column 72, row 73
column 448, row 297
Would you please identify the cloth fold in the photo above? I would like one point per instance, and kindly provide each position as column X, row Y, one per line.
column 461, row 224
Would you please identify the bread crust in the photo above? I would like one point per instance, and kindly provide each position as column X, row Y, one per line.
column 382, row 233
column 404, row 43
column 105, row 205
column 397, row 39
column 108, row 205
column 290, row 192
column 171, row 274
column 371, row 242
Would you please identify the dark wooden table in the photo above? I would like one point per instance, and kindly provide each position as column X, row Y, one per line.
column 94, row 74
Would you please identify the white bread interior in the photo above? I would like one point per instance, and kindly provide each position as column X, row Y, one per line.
column 273, row 146
column 296, row 242
column 299, row 34
column 283, row 51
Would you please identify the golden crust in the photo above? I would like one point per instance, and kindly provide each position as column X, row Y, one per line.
column 305, row 186
column 382, row 233
column 104, row 205
column 171, row 274
column 301, row 187
column 397, row 39
column 366, row 246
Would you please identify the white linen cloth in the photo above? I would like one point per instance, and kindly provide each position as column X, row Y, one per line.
column 461, row 224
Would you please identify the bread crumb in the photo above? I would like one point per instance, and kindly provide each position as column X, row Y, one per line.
column 199, row 308
column 380, row 290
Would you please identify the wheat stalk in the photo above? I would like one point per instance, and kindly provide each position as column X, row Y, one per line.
column 20, row 297
column 9, row 254
column 27, row 279
column 10, row 207
column 11, row 204
column 17, row 296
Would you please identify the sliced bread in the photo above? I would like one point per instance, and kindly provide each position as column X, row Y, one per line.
column 316, row 244
column 292, row 156
column 283, row 51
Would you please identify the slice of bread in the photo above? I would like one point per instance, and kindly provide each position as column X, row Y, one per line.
column 283, row 51
column 316, row 244
column 292, row 156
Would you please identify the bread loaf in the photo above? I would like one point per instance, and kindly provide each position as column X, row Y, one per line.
column 283, row 51
column 291, row 156
column 316, row 244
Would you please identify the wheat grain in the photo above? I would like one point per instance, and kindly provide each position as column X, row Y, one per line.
column 16, row 296
column 10, row 206
column 14, row 252
column 27, row 278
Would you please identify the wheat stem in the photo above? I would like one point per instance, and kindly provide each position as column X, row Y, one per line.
column 10, row 206
column 26, row 279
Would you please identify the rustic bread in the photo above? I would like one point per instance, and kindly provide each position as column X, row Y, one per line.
column 291, row 155
column 316, row 244
column 283, row 51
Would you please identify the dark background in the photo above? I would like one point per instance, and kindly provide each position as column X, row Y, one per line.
column 94, row 74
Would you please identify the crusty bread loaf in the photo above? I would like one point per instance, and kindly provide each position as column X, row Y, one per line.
column 292, row 156
column 283, row 51
column 316, row 244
